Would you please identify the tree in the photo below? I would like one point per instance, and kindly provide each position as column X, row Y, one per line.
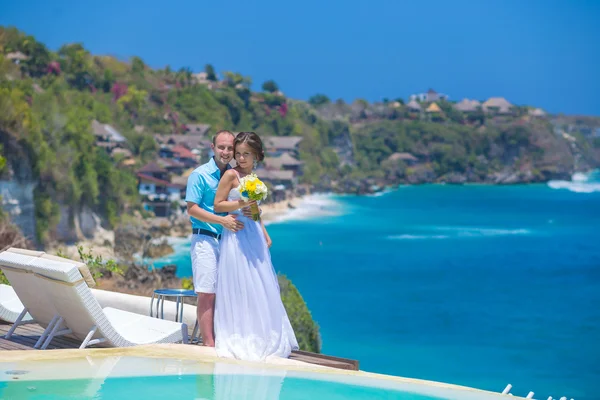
column 318, row 100
column 184, row 77
column 232, row 79
column 108, row 80
column 133, row 100
column 210, row 72
column 270, row 86
column 2, row 163
column 39, row 57
column 76, row 63
column 137, row 66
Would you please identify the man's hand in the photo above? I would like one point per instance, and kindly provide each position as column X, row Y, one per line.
column 231, row 223
column 247, row 212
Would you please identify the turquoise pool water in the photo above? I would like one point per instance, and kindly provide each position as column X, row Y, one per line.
column 198, row 387
column 127, row 377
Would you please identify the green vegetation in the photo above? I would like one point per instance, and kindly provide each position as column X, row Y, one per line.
column 95, row 263
column 50, row 99
column 306, row 330
column 2, row 165
column 447, row 148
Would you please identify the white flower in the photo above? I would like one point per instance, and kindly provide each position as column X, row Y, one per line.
column 261, row 188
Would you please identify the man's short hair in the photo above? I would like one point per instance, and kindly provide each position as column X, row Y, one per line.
column 222, row 131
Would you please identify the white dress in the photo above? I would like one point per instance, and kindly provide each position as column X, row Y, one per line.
column 250, row 321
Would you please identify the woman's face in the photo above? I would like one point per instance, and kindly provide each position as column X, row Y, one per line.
column 244, row 155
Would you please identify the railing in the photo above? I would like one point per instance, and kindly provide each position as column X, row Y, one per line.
column 530, row 394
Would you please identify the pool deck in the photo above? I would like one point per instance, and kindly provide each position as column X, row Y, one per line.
column 26, row 336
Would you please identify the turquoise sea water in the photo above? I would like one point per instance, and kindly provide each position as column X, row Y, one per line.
column 473, row 285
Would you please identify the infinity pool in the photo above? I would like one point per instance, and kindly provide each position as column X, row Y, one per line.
column 138, row 377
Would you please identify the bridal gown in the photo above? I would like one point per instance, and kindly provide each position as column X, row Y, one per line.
column 251, row 322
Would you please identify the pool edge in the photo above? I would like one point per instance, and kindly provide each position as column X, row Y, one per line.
column 207, row 354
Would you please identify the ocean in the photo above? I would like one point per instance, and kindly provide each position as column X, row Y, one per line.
column 474, row 285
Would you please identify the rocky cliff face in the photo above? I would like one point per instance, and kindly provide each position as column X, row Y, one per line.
column 17, row 202
column 76, row 225
column 17, row 184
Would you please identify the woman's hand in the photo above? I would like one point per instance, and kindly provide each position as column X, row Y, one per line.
column 246, row 208
column 269, row 241
column 243, row 205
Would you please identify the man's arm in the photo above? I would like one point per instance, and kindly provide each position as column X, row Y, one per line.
column 195, row 211
column 193, row 197
column 229, row 221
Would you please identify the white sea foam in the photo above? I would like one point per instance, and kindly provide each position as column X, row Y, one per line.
column 417, row 237
column 580, row 183
column 311, row 207
column 577, row 187
column 466, row 231
column 458, row 232
column 381, row 193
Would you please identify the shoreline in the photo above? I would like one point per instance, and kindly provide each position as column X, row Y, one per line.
column 307, row 206
column 272, row 211
column 102, row 244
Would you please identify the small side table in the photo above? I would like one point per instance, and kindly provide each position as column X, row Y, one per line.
column 161, row 294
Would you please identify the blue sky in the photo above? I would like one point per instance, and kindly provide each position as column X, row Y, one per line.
column 542, row 53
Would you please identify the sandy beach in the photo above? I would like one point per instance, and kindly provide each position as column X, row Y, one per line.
column 273, row 211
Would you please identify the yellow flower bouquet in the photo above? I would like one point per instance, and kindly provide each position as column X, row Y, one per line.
column 252, row 188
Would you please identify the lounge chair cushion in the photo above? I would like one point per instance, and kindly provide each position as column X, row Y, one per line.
column 83, row 268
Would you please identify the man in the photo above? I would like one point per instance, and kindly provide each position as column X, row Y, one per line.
column 207, row 227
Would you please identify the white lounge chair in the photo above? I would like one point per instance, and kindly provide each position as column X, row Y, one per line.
column 11, row 306
column 15, row 265
column 62, row 284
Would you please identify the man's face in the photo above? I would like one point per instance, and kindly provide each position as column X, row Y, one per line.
column 223, row 148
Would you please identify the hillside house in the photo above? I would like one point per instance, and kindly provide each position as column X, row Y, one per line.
column 537, row 112
column 190, row 141
column 107, row 136
column 173, row 167
column 275, row 146
column 160, row 194
column 434, row 112
column 407, row 158
column 285, row 162
column 16, row 57
column 197, row 129
column 185, row 156
column 498, row 105
column 154, row 170
column 468, row 106
column 160, row 197
column 413, row 107
column 277, row 178
column 428, row 97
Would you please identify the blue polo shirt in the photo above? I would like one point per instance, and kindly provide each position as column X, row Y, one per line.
column 201, row 189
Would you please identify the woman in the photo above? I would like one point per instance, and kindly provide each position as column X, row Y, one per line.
column 251, row 322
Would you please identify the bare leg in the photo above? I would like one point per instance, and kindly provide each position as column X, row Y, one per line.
column 206, row 312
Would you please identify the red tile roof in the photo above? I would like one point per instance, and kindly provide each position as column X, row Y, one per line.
column 161, row 182
column 183, row 152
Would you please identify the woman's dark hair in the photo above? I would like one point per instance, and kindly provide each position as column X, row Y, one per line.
column 252, row 140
